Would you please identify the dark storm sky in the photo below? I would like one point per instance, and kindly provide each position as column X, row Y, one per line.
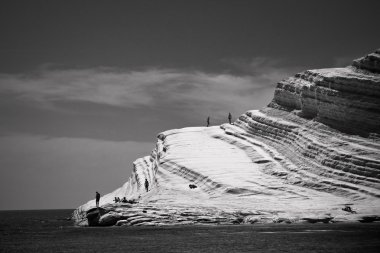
column 85, row 86
column 182, row 34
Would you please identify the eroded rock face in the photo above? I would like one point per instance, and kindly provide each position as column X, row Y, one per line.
column 370, row 62
column 109, row 219
column 94, row 215
column 346, row 99
column 296, row 160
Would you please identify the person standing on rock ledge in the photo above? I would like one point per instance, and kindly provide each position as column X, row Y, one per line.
column 146, row 185
column 97, row 197
column 229, row 117
column 208, row 121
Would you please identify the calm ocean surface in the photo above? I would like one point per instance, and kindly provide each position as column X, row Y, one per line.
column 50, row 231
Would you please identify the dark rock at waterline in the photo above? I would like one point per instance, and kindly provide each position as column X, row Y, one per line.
column 368, row 219
column 93, row 215
column 109, row 219
column 315, row 220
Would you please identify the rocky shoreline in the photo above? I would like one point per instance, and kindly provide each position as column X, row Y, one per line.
column 148, row 215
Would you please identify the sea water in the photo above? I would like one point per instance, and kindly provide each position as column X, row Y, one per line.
column 52, row 231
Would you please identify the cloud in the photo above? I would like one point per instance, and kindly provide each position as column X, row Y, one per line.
column 173, row 89
column 263, row 69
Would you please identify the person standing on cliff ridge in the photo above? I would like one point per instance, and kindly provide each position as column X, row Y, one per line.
column 97, row 197
column 208, row 121
column 229, row 117
column 146, row 185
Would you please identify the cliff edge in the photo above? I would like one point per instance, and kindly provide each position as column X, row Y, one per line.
column 312, row 155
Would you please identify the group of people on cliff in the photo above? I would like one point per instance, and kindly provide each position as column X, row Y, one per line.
column 116, row 200
column 229, row 119
column 124, row 199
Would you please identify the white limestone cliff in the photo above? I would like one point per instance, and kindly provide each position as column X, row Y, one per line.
column 313, row 150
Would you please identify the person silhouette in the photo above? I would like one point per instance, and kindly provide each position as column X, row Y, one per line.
column 146, row 185
column 208, row 121
column 97, row 197
column 229, row 117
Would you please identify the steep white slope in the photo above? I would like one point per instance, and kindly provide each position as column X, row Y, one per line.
column 286, row 162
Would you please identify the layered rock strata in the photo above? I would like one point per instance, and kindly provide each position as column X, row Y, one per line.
column 311, row 152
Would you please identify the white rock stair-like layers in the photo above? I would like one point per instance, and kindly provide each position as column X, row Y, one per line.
column 347, row 99
column 314, row 149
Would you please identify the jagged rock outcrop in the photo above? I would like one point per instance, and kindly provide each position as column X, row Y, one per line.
column 312, row 151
